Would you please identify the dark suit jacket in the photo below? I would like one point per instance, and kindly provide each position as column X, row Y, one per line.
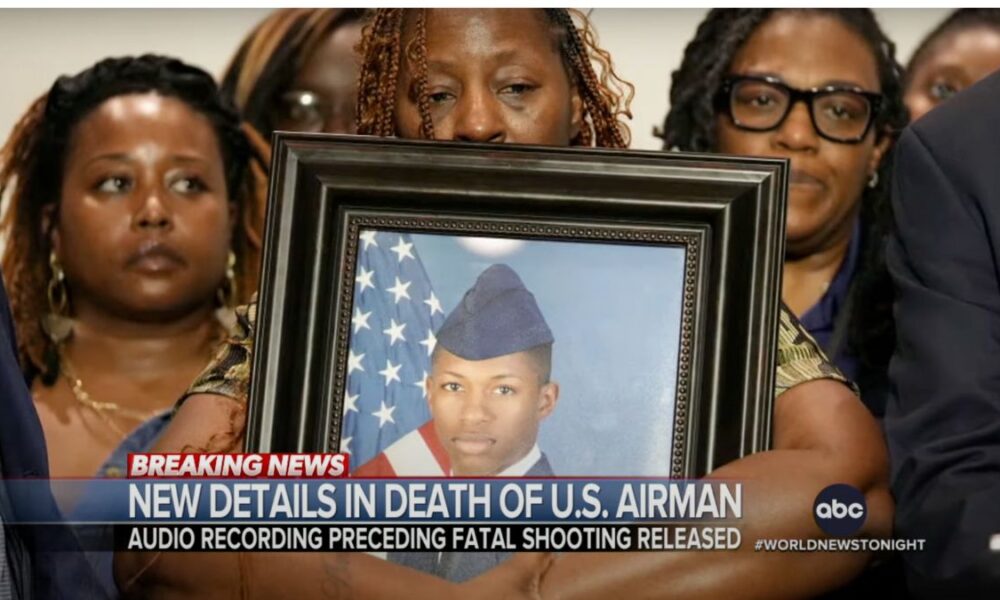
column 22, row 454
column 38, row 572
column 943, row 423
column 462, row 566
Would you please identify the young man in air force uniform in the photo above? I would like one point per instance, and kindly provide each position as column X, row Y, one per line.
column 488, row 392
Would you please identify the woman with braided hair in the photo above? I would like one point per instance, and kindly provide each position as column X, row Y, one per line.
column 738, row 91
column 529, row 76
column 533, row 70
column 134, row 226
column 298, row 71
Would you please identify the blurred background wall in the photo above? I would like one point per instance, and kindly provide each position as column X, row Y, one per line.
column 41, row 44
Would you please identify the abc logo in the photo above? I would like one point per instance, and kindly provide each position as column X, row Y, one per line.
column 840, row 510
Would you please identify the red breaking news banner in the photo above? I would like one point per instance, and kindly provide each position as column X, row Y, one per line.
column 238, row 466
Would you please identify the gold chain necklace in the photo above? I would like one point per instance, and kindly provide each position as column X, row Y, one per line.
column 105, row 410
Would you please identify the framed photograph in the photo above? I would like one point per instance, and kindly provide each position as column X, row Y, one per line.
column 442, row 308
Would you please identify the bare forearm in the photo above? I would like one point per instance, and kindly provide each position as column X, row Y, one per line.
column 200, row 423
column 207, row 421
column 777, row 503
column 823, row 436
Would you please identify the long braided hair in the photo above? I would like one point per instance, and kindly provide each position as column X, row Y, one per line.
column 690, row 125
column 270, row 56
column 31, row 170
column 606, row 97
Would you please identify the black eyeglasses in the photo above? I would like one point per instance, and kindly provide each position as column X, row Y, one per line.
column 839, row 113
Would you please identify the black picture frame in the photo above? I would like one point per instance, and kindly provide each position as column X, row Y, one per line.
column 729, row 213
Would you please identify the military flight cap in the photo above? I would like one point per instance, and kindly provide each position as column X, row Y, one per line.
column 497, row 316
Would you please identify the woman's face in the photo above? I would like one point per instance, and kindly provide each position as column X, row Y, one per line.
column 952, row 63
column 322, row 96
column 144, row 221
column 827, row 177
column 492, row 76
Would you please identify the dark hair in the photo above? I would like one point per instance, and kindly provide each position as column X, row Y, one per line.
column 605, row 96
column 269, row 58
column 690, row 125
column 963, row 18
column 540, row 355
column 33, row 159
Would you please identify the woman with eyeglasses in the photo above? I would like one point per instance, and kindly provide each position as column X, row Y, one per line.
column 822, row 89
column 298, row 71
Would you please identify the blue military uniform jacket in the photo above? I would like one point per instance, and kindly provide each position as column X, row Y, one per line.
column 462, row 566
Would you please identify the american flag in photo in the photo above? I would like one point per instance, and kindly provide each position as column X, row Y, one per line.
column 395, row 316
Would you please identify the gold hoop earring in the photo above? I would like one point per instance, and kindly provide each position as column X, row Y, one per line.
column 228, row 293
column 228, row 296
column 57, row 324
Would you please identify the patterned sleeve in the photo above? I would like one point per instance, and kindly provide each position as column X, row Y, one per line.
column 800, row 358
column 228, row 373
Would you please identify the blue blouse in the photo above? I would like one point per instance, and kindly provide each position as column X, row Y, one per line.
column 821, row 319
column 141, row 439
